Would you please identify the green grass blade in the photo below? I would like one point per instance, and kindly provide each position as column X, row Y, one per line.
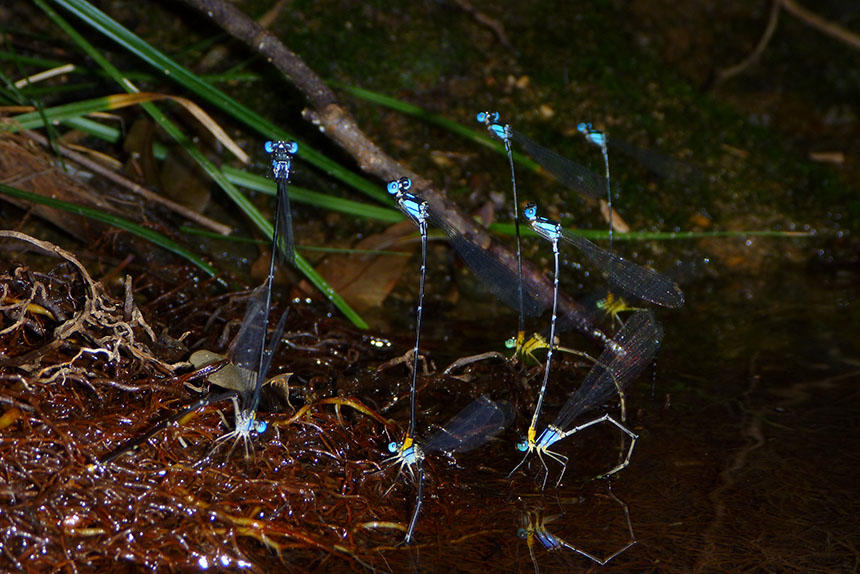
column 224, row 77
column 302, row 195
column 108, row 133
column 69, row 114
column 124, row 224
column 33, row 120
column 441, row 121
column 7, row 55
column 508, row 229
column 236, row 239
column 113, row 30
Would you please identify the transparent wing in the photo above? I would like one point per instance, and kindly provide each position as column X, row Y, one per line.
column 632, row 349
column 284, row 241
column 274, row 343
column 569, row 173
column 500, row 279
column 249, row 342
column 641, row 282
column 471, row 427
column 663, row 165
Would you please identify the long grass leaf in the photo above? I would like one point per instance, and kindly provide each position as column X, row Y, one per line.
column 124, row 224
column 441, row 121
column 137, row 46
column 67, row 114
column 117, row 101
column 508, row 229
column 302, row 195
column 236, row 239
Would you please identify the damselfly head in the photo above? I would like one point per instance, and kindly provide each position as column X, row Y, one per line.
column 530, row 212
column 396, row 187
column 247, row 422
column 488, row 118
column 522, row 533
column 594, row 136
column 282, row 154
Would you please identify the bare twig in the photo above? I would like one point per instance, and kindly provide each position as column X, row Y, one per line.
column 405, row 359
column 809, row 18
column 820, row 24
column 464, row 361
column 116, row 178
column 759, row 49
column 497, row 28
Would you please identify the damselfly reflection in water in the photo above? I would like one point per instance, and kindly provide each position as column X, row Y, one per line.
column 616, row 368
column 542, row 523
column 469, row 429
column 242, row 379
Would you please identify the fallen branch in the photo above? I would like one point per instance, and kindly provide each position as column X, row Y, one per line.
column 809, row 18
column 120, row 180
column 825, row 27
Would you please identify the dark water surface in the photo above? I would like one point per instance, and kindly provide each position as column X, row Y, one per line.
column 745, row 460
